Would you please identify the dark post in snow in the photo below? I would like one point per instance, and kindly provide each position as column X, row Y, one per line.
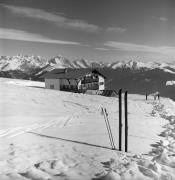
column 126, row 121
column 120, row 118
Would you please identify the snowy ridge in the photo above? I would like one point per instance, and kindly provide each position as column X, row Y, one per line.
column 25, row 63
column 133, row 65
column 81, row 63
column 20, row 62
column 138, row 65
column 61, row 62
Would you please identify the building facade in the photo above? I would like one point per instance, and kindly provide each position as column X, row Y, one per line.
column 75, row 80
column 92, row 81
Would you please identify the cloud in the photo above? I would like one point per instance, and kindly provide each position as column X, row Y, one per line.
column 102, row 49
column 168, row 50
column 20, row 35
column 163, row 19
column 58, row 19
column 129, row 46
column 160, row 18
column 121, row 46
column 116, row 29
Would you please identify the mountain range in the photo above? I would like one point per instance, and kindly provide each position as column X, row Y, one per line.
column 31, row 64
column 134, row 76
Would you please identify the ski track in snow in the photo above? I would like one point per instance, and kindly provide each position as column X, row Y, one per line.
column 74, row 165
column 37, row 127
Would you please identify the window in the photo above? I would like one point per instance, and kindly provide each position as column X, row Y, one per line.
column 51, row 86
column 101, row 83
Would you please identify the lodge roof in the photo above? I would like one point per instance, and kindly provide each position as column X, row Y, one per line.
column 70, row 73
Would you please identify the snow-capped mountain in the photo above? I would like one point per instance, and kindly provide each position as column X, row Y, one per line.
column 61, row 62
column 24, row 63
column 14, row 66
column 138, row 65
column 21, row 63
column 135, row 65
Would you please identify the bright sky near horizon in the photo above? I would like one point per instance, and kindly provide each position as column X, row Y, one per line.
column 102, row 30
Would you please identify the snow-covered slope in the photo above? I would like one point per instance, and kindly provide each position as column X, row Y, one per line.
column 50, row 135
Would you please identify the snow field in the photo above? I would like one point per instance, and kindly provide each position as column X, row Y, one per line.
column 33, row 119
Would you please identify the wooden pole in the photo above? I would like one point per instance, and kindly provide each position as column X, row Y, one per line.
column 126, row 121
column 120, row 119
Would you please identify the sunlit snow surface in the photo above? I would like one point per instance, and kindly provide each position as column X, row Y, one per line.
column 170, row 83
column 48, row 134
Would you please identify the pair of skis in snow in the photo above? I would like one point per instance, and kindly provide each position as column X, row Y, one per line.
column 120, row 122
column 120, row 119
column 108, row 128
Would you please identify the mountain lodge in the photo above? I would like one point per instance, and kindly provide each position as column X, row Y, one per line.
column 74, row 80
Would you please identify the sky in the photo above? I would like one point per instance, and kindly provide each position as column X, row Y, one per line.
column 96, row 30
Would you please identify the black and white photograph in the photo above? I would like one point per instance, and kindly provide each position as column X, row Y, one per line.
column 87, row 89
